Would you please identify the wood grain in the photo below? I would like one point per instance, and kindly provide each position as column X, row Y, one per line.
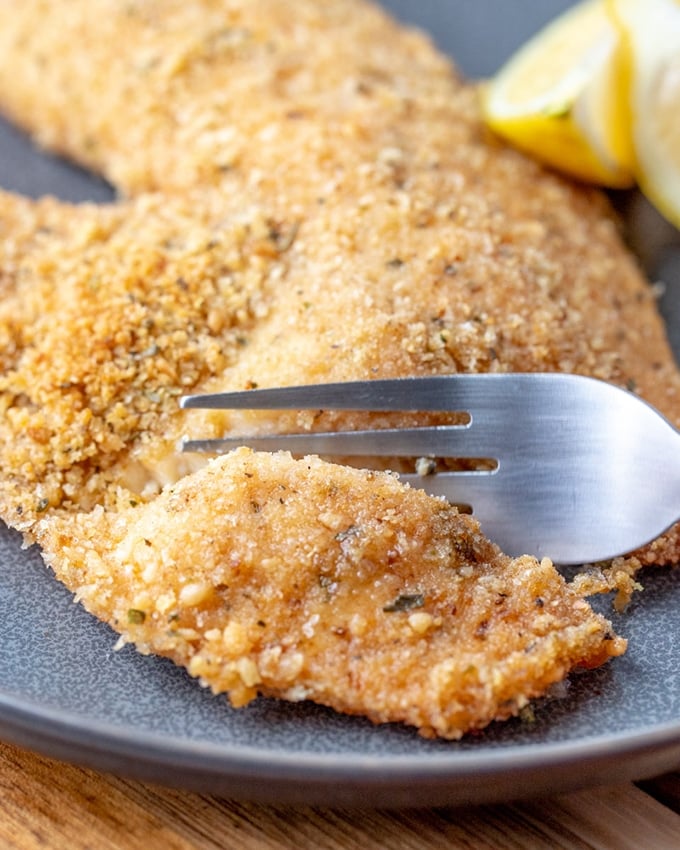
column 46, row 804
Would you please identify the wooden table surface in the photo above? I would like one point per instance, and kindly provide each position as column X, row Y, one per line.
column 55, row 806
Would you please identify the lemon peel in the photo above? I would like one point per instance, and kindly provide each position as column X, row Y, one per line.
column 650, row 36
column 563, row 97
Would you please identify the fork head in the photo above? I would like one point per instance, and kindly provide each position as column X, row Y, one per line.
column 583, row 470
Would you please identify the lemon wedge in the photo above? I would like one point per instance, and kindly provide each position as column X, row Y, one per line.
column 563, row 97
column 650, row 34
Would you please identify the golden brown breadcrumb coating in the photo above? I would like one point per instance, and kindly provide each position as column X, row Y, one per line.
column 305, row 580
column 367, row 228
column 308, row 196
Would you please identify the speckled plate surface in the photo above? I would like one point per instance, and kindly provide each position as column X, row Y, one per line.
column 65, row 692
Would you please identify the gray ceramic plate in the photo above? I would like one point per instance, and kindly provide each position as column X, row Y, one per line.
column 65, row 692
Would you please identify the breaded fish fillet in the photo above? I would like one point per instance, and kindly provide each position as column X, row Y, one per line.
column 305, row 580
column 363, row 225
column 310, row 195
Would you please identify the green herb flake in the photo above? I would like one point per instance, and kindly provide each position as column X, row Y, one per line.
column 135, row 616
column 42, row 506
column 405, row 602
column 527, row 715
column 283, row 240
column 348, row 533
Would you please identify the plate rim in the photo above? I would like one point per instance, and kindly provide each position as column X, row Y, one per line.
column 247, row 772
column 282, row 775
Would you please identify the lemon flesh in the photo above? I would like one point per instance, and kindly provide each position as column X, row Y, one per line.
column 650, row 35
column 562, row 97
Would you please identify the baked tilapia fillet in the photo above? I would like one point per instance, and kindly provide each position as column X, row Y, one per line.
column 307, row 193
column 308, row 580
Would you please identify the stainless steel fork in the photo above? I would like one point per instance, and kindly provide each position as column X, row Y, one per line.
column 584, row 470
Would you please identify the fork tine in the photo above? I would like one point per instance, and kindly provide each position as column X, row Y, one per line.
column 475, row 488
column 467, row 441
column 427, row 393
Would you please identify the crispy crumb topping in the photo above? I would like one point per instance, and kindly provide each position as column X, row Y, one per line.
column 306, row 197
column 305, row 580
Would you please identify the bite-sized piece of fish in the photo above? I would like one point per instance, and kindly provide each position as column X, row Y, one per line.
column 305, row 580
